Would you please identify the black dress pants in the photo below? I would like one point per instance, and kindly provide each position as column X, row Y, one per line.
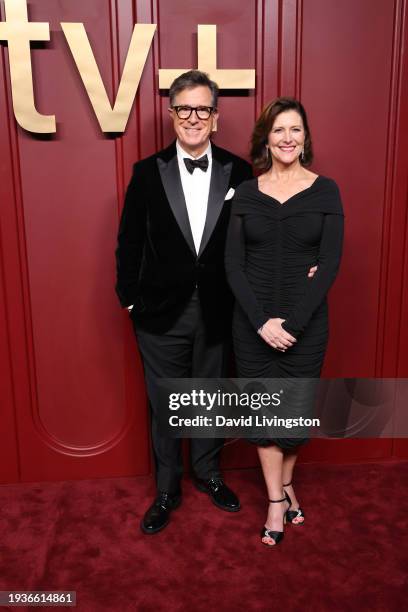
column 181, row 352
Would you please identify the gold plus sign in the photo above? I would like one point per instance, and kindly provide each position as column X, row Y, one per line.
column 207, row 62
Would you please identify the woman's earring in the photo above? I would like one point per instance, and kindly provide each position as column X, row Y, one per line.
column 302, row 155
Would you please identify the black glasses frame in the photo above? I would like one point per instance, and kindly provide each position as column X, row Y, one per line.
column 211, row 110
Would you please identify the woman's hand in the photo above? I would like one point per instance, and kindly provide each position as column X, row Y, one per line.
column 274, row 335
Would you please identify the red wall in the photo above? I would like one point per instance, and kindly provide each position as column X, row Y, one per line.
column 72, row 395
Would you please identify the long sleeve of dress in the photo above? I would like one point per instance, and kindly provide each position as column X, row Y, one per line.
column 328, row 263
column 235, row 270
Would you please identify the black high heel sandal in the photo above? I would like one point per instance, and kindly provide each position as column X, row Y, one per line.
column 276, row 536
column 292, row 514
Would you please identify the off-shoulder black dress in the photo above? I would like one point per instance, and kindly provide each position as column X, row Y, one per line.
column 270, row 249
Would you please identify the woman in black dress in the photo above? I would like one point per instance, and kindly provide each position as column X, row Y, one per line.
column 282, row 223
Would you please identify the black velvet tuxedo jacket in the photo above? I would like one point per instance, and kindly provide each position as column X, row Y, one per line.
column 157, row 265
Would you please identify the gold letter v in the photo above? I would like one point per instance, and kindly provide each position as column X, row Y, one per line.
column 110, row 119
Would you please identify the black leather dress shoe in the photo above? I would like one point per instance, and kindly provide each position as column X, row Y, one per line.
column 158, row 515
column 220, row 494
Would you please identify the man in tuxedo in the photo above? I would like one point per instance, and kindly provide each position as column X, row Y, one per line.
column 170, row 274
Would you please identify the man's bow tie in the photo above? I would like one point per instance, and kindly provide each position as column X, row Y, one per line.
column 201, row 163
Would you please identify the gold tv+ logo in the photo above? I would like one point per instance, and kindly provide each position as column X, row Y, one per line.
column 19, row 32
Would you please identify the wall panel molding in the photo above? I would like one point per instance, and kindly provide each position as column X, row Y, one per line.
column 394, row 219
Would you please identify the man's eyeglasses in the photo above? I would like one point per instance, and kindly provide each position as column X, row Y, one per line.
column 202, row 112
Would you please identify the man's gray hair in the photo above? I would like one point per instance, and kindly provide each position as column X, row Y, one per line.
column 191, row 79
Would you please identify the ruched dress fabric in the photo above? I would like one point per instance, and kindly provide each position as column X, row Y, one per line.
column 270, row 249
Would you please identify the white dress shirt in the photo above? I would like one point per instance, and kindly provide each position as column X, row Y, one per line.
column 196, row 187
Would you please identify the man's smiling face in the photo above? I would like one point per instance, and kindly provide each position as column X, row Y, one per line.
column 193, row 133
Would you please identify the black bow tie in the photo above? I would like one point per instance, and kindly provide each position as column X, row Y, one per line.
column 201, row 163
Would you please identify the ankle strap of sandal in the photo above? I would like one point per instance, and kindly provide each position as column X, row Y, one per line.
column 276, row 501
column 287, row 485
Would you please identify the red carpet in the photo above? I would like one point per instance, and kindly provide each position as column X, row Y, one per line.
column 351, row 554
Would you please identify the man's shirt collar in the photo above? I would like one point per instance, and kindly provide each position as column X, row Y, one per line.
column 181, row 154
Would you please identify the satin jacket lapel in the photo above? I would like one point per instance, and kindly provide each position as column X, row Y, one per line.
column 220, row 176
column 170, row 176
